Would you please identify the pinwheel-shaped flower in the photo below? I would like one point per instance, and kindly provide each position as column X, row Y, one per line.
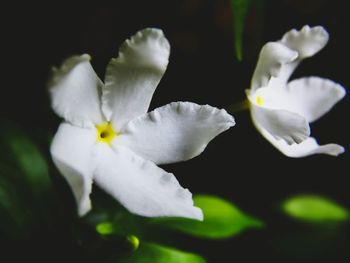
column 282, row 111
column 109, row 138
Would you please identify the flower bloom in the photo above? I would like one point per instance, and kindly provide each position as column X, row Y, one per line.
column 108, row 137
column 282, row 110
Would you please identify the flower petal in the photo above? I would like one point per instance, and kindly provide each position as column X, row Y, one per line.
column 306, row 148
column 175, row 132
column 281, row 124
column 273, row 56
column 307, row 42
column 312, row 97
column 75, row 89
column 71, row 151
column 141, row 186
column 132, row 78
column 309, row 97
column 278, row 60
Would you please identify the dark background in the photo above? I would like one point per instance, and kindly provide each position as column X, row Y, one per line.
column 239, row 165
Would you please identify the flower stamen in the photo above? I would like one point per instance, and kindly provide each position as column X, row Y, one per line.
column 105, row 132
column 259, row 100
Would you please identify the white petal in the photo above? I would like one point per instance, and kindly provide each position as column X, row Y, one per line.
column 309, row 97
column 71, row 151
column 281, row 124
column 141, row 186
column 75, row 89
column 132, row 78
column 175, row 132
column 307, row 42
column 297, row 46
column 306, row 148
column 273, row 56
column 312, row 97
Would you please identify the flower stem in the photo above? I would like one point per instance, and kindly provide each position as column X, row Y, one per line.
column 237, row 107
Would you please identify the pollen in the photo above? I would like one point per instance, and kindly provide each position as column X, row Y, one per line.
column 105, row 132
column 259, row 100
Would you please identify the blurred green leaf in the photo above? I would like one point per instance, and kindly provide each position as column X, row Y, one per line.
column 20, row 152
column 134, row 241
column 239, row 9
column 105, row 228
column 108, row 217
column 222, row 219
column 154, row 253
column 25, row 184
column 10, row 207
column 313, row 208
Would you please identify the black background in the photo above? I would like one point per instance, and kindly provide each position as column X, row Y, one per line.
column 239, row 165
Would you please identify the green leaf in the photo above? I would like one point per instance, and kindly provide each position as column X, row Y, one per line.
column 239, row 9
column 222, row 219
column 108, row 217
column 314, row 209
column 14, row 213
column 134, row 241
column 22, row 154
column 25, row 183
column 154, row 253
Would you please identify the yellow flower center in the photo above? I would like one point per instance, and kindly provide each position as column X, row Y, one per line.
column 259, row 100
column 105, row 132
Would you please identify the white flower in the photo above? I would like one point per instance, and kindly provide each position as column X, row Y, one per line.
column 282, row 111
column 109, row 138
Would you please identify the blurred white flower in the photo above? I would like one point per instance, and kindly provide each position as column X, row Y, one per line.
column 108, row 137
column 281, row 111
